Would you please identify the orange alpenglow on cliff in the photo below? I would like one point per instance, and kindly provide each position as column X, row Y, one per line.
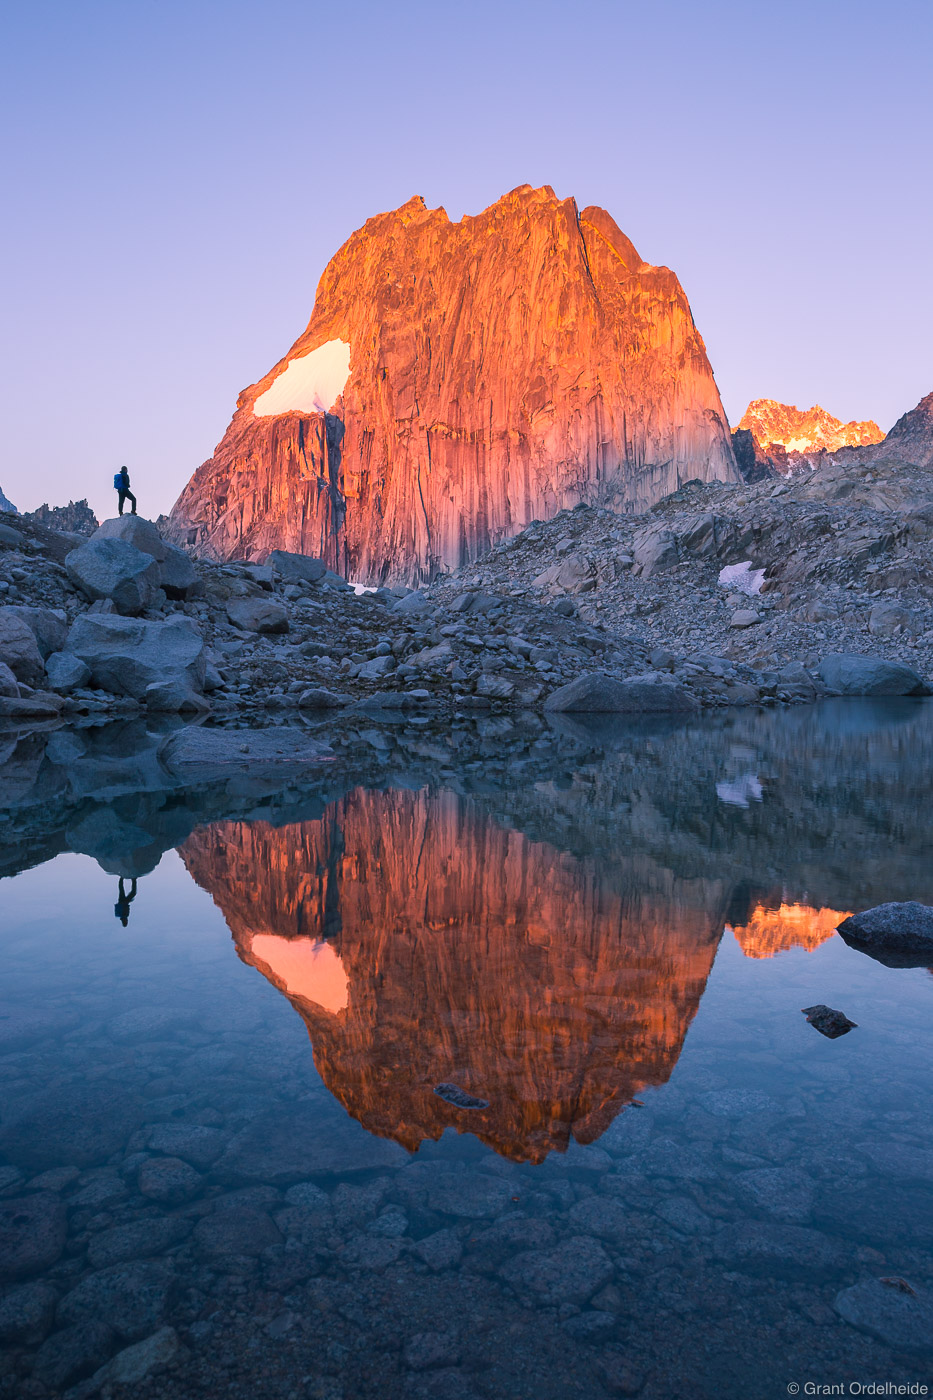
column 422, row 943
column 457, row 381
column 783, row 425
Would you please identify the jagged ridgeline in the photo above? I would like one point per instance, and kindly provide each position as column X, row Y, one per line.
column 457, row 381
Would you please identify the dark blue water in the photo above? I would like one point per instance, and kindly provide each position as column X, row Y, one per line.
column 220, row 1121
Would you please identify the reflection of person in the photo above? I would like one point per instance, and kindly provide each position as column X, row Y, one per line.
column 122, row 907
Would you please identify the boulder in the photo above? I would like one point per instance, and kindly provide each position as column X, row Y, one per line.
column 654, row 550
column 296, row 568
column 796, row 682
column 892, row 619
column 263, row 615
column 10, row 538
column 706, row 534
column 175, row 696
column 575, row 574
column 9, row 688
column 320, row 699
column 178, row 576
column 111, row 568
column 495, row 687
column 49, row 628
column 126, row 655
column 411, row 605
column 41, row 706
column 646, row 694
column 869, row 675
column 745, row 617
column 66, row 672
column 134, row 530
column 375, row 669
column 905, row 927
column 19, row 649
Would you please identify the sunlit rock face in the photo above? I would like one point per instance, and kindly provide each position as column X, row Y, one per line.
column 770, row 931
column 500, row 369
column 784, row 437
column 422, row 943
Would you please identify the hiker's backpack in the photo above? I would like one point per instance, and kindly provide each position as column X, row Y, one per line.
column 118, row 481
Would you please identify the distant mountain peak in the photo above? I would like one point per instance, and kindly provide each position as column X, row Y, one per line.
column 781, row 425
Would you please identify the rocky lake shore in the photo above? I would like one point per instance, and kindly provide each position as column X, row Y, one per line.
column 776, row 592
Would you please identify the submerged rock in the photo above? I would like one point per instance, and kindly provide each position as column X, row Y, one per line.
column 130, row 1298
column 827, row 1021
column 32, row 1234
column 140, row 1360
column 572, row 1272
column 73, row 1352
column 890, row 1309
column 451, row 1094
column 26, row 1312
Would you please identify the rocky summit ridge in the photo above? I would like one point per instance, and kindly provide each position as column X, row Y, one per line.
column 456, row 381
column 775, row 439
column 794, row 429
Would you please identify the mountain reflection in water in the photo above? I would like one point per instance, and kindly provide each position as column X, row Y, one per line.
column 459, row 950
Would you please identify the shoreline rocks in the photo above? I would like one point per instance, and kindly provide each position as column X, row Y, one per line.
column 720, row 596
column 892, row 928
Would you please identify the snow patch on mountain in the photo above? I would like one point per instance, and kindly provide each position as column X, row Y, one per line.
column 311, row 383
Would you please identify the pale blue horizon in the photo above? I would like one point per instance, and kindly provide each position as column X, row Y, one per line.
column 180, row 176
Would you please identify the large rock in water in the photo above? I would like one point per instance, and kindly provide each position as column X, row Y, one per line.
column 126, row 655
column 455, row 382
column 869, row 675
column 899, row 934
column 602, row 694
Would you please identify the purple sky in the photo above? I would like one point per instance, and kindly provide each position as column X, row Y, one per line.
column 177, row 174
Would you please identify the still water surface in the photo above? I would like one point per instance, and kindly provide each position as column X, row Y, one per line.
column 227, row 1071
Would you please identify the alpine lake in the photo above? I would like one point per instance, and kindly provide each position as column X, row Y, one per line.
column 468, row 1063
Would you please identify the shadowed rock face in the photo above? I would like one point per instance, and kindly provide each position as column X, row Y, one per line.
column 422, row 943
column 501, row 368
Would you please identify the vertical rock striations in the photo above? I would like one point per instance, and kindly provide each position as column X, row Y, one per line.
column 422, row 943
column 455, row 382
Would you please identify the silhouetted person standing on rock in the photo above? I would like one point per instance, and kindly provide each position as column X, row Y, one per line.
column 122, row 485
column 122, row 907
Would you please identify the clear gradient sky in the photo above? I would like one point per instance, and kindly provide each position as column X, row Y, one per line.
column 177, row 173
